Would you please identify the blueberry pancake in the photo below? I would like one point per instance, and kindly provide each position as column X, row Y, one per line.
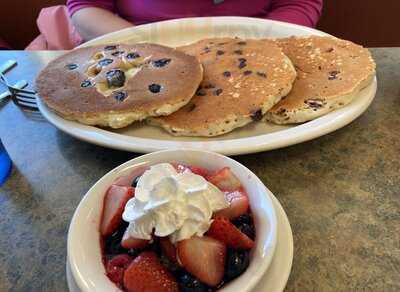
column 330, row 74
column 115, row 85
column 242, row 80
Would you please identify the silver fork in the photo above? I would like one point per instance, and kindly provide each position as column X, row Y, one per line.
column 20, row 96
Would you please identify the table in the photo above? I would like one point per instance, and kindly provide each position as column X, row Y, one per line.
column 341, row 193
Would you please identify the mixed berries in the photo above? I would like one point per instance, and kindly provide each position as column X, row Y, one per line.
column 198, row 264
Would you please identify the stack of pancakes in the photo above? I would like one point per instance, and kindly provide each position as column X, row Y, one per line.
column 207, row 88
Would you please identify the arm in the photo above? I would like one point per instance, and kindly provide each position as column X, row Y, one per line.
column 303, row 12
column 95, row 18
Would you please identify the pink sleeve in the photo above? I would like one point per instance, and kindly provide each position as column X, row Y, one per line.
column 303, row 12
column 75, row 5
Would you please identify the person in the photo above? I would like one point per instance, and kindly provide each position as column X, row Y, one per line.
column 93, row 18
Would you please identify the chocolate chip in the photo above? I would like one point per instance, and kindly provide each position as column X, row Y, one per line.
column 115, row 78
column 242, row 63
column 247, row 72
column 241, row 43
column 110, row 48
column 227, row 74
column 86, row 83
column 218, row 91
column 319, row 68
column 133, row 55
column 191, row 107
column 161, row 62
column 262, row 74
column 208, row 86
column 314, row 103
column 118, row 53
column 220, row 52
column 200, row 92
column 238, row 52
column 333, row 75
column 119, row 95
column 257, row 115
column 155, row 88
column 330, row 50
column 71, row 66
column 105, row 62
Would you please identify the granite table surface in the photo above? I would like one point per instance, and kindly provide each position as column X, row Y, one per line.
column 341, row 192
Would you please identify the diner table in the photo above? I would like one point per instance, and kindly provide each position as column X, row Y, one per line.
column 341, row 192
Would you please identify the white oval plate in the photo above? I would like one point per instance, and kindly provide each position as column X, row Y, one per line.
column 254, row 137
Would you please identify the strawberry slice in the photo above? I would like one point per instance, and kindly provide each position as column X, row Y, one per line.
column 203, row 257
column 115, row 268
column 113, row 207
column 225, row 180
column 146, row 273
column 194, row 169
column 238, row 204
column 168, row 249
column 222, row 229
column 131, row 242
column 127, row 180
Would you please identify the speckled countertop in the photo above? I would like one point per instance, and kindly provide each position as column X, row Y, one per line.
column 341, row 193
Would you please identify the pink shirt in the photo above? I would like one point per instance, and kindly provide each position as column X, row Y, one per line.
column 303, row 12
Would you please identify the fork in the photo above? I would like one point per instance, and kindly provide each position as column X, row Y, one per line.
column 19, row 95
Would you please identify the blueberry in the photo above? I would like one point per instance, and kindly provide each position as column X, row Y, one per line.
column 134, row 252
column 236, row 263
column 256, row 115
column 115, row 78
column 209, row 85
column 110, row 48
column 135, row 181
column 174, row 268
column 245, row 218
column 201, row 92
column 118, row 53
column 133, row 55
column 105, row 62
column 86, row 83
column 161, row 62
column 188, row 283
column 71, row 66
column 333, row 75
column 218, row 91
column 113, row 242
column 155, row 88
column 227, row 74
column 120, row 95
column 262, row 74
column 247, row 229
column 242, row 63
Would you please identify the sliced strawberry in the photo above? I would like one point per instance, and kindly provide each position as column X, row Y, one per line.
column 225, row 180
column 238, row 204
column 131, row 242
column 194, row 169
column 127, row 180
column 203, row 257
column 146, row 273
column 115, row 268
column 222, row 229
column 113, row 207
column 168, row 249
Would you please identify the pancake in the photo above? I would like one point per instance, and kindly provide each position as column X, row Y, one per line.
column 242, row 80
column 330, row 74
column 115, row 85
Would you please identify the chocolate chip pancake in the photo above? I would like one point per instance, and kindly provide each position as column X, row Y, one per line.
column 115, row 85
column 330, row 74
column 242, row 80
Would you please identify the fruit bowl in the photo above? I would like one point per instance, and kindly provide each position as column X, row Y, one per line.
column 84, row 250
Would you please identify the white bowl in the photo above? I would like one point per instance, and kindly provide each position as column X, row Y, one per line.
column 84, row 251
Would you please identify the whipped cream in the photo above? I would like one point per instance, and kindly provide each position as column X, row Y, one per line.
column 178, row 205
